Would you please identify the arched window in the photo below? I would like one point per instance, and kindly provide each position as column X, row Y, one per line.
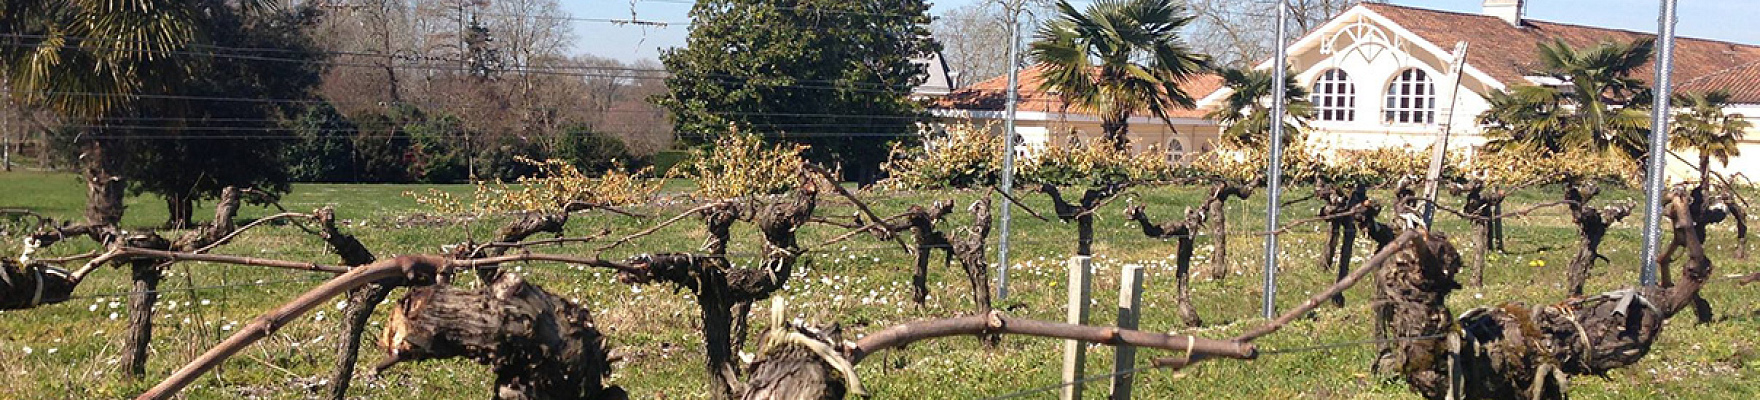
column 1176, row 152
column 1411, row 98
column 1334, row 96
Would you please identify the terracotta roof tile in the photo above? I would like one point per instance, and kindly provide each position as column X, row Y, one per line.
column 1508, row 53
column 991, row 94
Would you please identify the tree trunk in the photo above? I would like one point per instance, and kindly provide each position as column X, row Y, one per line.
column 920, row 275
column 1704, row 168
column 1578, row 273
column 1347, row 240
column 1482, row 234
column 361, row 303
column 1496, row 229
column 182, row 209
column 1085, row 234
column 141, row 297
column 1117, row 132
column 102, row 161
column 1183, row 276
column 540, row 346
column 717, row 315
column 971, row 253
column 1219, row 239
column 1416, row 284
column 1332, row 232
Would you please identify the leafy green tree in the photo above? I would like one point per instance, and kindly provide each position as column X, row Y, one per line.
column 1117, row 58
column 1247, row 112
column 322, row 149
column 832, row 74
column 382, row 148
column 1601, row 108
column 1705, row 128
column 206, row 143
column 590, row 151
column 86, row 60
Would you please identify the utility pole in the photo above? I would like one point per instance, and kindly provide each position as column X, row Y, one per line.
column 1439, row 154
column 1008, row 144
column 1274, row 171
column 1656, row 177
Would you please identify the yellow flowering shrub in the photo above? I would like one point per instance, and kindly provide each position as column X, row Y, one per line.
column 556, row 184
column 1513, row 166
column 967, row 156
column 743, row 165
column 1380, row 165
column 1094, row 164
column 1240, row 163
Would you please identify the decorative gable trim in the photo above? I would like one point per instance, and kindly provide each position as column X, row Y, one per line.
column 1356, row 15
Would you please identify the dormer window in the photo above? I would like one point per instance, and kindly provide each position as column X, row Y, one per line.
column 1334, row 96
column 1411, row 98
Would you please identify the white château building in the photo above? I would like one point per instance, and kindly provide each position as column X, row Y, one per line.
column 1379, row 76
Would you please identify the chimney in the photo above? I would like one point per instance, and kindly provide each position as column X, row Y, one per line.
column 1508, row 10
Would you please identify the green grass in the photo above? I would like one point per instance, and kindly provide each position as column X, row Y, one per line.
column 863, row 286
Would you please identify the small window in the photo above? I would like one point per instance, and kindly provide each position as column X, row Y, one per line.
column 1175, row 152
column 1411, row 99
column 1334, row 96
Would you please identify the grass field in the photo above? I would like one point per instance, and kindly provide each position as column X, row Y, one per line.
column 69, row 350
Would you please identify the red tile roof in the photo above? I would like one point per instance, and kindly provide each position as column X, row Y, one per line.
column 991, row 95
column 1508, row 53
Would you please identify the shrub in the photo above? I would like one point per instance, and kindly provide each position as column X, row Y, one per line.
column 1512, row 166
column 741, row 165
column 1240, row 163
column 967, row 156
column 1380, row 165
column 590, row 150
column 1094, row 164
column 556, row 184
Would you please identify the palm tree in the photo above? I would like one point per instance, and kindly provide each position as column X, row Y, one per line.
column 1247, row 113
column 1605, row 95
column 1529, row 117
column 1117, row 58
column 1704, row 127
column 1598, row 107
column 85, row 60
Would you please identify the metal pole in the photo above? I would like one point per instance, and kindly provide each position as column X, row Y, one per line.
column 1274, row 172
column 1008, row 144
column 1659, row 114
column 1439, row 155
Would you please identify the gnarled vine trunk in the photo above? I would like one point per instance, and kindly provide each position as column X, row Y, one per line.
column 539, row 346
column 719, row 287
column 1182, row 232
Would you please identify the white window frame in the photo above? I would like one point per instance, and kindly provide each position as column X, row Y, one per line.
column 1410, row 98
column 1334, row 96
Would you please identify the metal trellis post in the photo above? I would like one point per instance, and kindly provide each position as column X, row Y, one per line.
column 1274, row 172
column 1656, row 177
column 1014, row 44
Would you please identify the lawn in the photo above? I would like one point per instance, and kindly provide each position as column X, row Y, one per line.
column 69, row 350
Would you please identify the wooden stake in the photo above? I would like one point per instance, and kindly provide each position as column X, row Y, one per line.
column 1130, row 293
column 1075, row 351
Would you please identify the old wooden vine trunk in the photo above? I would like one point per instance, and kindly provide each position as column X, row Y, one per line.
column 540, row 346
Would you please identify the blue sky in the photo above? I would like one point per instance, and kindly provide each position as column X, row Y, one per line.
column 1710, row 19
